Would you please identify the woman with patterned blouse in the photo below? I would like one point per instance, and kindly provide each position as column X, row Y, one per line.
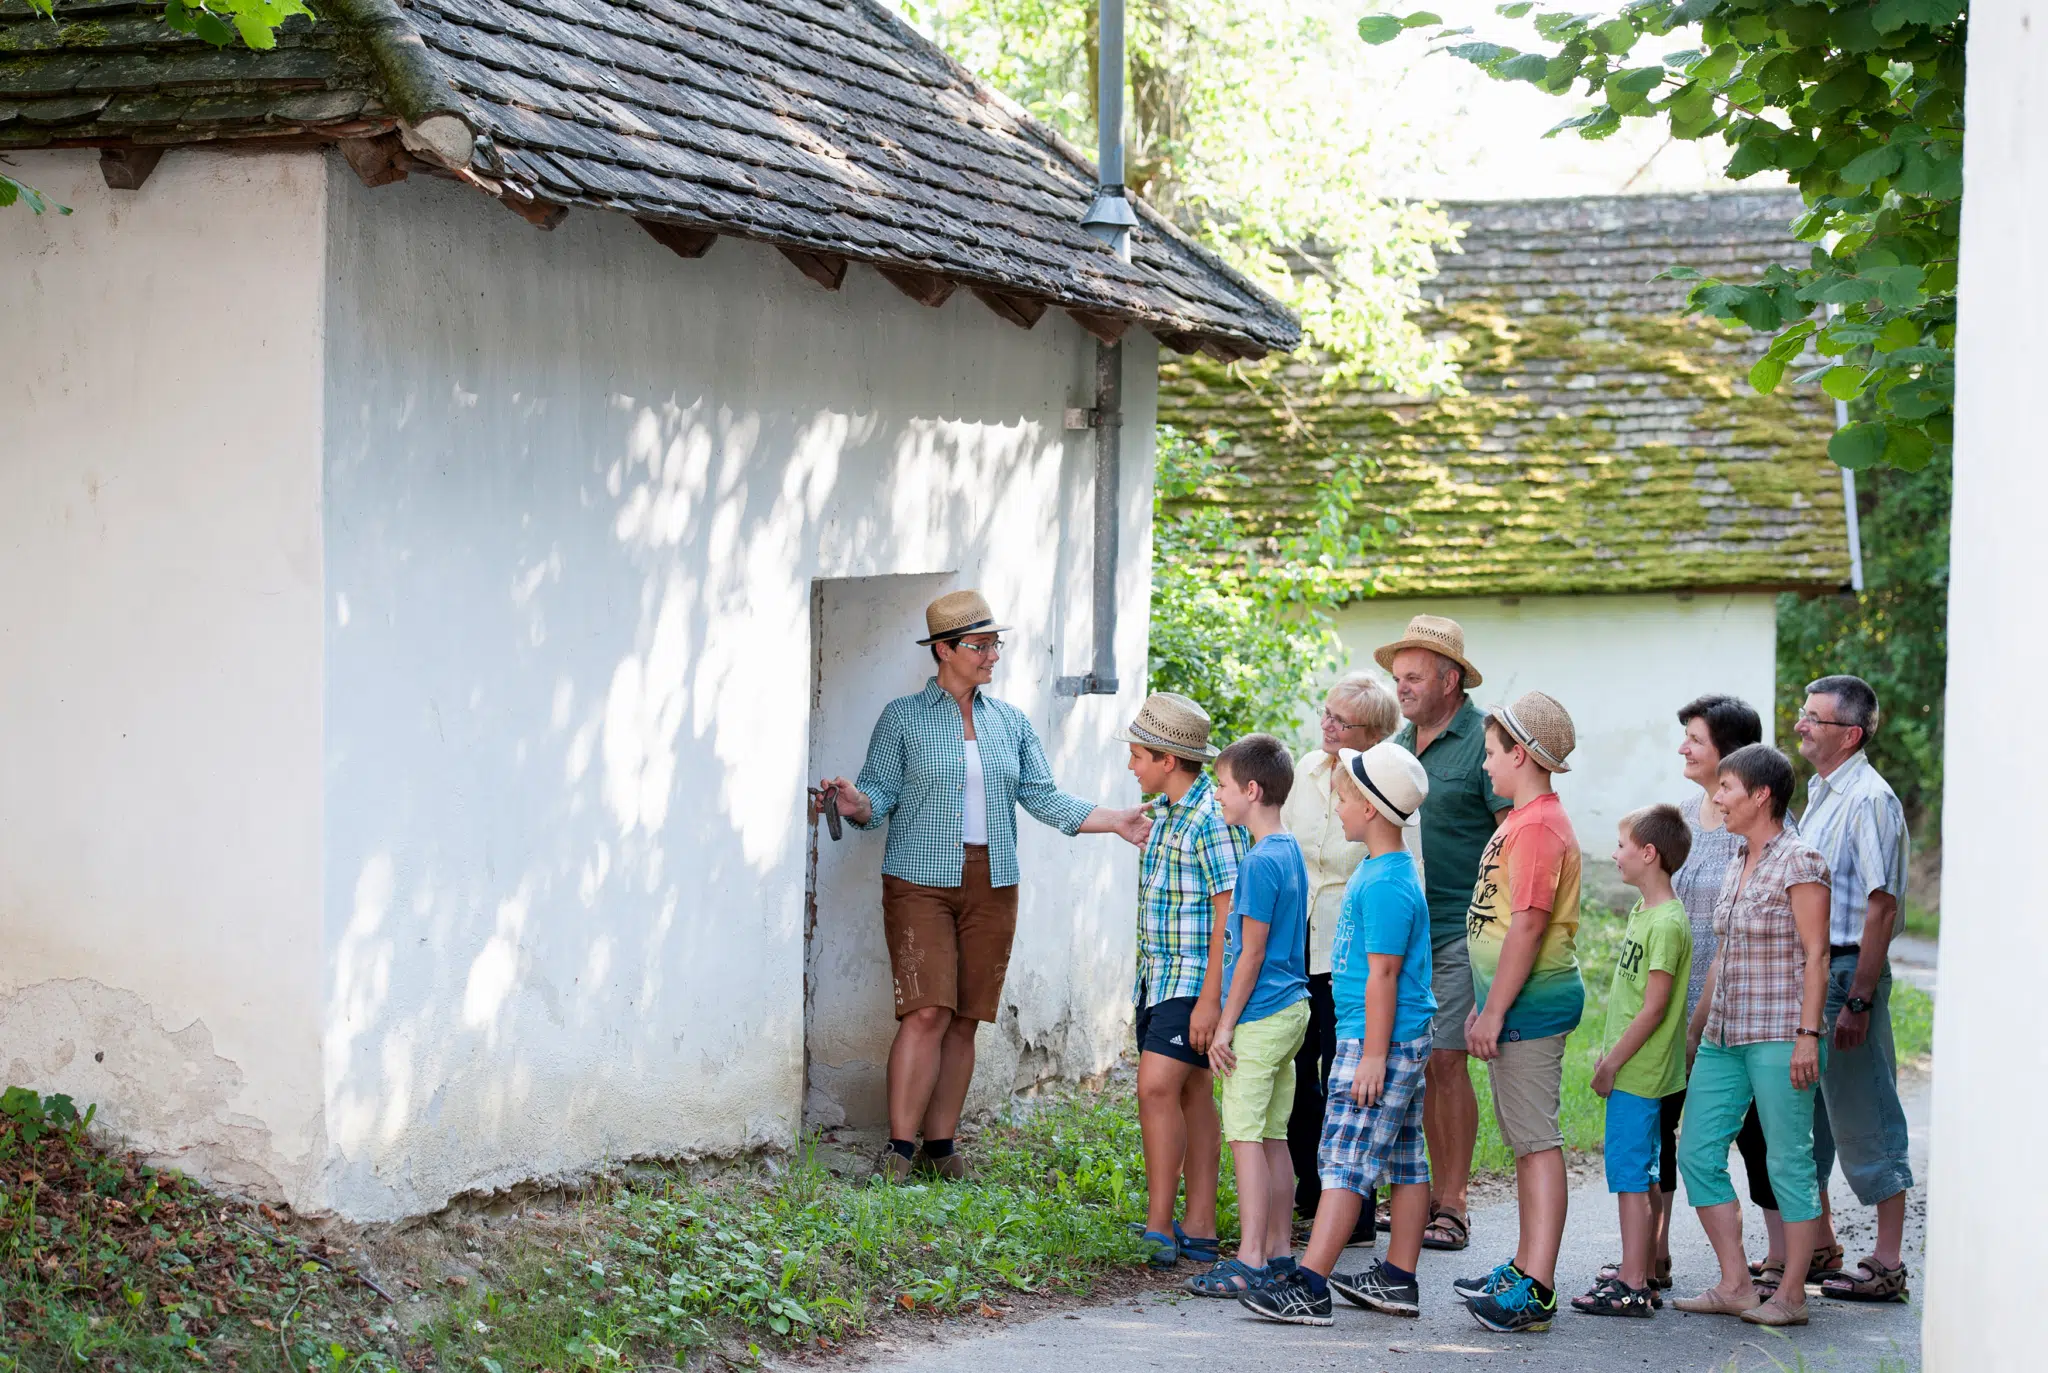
column 947, row 769
column 1757, row 1029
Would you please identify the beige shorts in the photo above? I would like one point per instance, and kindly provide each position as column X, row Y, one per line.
column 1527, row 1080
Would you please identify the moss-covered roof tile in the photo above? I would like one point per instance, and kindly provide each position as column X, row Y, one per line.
column 1608, row 442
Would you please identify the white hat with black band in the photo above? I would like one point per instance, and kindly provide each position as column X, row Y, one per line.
column 1391, row 778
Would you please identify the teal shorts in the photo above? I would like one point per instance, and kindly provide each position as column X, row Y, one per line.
column 1724, row 1081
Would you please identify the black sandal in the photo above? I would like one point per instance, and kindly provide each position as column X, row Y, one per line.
column 1616, row 1298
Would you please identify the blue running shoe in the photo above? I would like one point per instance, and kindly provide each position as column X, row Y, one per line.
column 1515, row 1310
column 1502, row 1276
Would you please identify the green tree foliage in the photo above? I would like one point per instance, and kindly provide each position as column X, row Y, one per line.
column 219, row 22
column 1894, row 634
column 1859, row 104
column 1251, row 127
column 1243, row 627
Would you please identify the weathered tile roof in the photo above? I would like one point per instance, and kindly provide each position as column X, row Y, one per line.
column 1607, row 443
column 826, row 126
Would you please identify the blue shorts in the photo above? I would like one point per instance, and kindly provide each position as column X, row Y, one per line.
column 1163, row 1029
column 1633, row 1130
column 1364, row 1146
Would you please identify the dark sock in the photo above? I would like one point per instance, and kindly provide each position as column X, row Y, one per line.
column 903, row 1147
column 1394, row 1271
column 1543, row 1294
column 1318, row 1283
column 937, row 1148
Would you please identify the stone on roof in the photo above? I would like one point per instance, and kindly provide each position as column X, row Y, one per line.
column 1609, row 442
column 825, row 126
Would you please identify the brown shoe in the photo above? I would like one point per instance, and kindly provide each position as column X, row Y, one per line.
column 949, row 1168
column 891, row 1167
column 1770, row 1313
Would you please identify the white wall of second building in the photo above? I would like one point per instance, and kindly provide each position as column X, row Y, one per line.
column 1621, row 664
column 160, row 656
column 578, row 491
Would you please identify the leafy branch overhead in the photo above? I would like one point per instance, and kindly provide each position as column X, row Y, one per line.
column 1860, row 105
column 219, row 22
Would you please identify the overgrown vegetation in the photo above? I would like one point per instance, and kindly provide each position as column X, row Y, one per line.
column 108, row 1264
column 1245, row 626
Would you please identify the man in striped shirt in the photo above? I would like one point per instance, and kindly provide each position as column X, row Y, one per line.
column 1855, row 821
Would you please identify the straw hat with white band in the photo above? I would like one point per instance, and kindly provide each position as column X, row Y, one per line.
column 1542, row 726
column 1171, row 723
column 1391, row 778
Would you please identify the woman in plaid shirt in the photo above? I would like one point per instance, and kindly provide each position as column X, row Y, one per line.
column 946, row 770
column 1757, row 1035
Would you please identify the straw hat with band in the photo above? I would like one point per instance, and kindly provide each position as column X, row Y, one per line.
column 1445, row 638
column 1391, row 778
column 1171, row 723
column 959, row 613
column 1542, row 726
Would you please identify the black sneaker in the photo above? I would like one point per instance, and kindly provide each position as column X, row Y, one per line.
column 1503, row 1275
column 1377, row 1290
column 1287, row 1300
column 1515, row 1310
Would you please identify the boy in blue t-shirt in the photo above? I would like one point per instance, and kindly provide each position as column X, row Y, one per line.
column 1372, row 1127
column 1265, row 1011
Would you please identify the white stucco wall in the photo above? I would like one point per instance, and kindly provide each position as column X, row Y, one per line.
column 160, row 656
column 577, row 492
column 1621, row 664
column 1985, row 1217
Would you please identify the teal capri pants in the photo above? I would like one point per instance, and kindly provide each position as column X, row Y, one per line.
column 1723, row 1083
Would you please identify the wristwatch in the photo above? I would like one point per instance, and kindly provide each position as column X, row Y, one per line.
column 1856, row 1005
column 1802, row 1030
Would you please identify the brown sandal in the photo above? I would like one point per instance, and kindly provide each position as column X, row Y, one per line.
column 1871, row 1282
column 1446, row 1230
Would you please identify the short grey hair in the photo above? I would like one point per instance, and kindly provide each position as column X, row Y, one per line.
column 1367, row 700
column 1855, row 699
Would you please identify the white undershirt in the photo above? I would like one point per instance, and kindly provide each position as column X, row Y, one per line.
column 974, row 807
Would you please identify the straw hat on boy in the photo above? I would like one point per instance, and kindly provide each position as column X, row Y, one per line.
column 1539, row 724
column 1171, row 723
column 1445, row 638
column 1391, row 778
column 959, row 613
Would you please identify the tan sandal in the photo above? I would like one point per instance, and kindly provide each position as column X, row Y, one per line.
column 1871, row 1281
column 1446, row 1230
column 1772, row 1314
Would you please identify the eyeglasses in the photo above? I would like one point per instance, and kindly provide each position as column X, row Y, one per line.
column 1807, row 717
column 1332, row 717
column 983, row 647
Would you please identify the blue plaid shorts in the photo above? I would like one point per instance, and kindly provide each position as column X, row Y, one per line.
column 1364, row 1146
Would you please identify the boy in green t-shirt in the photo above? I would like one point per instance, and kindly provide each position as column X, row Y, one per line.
column 1645, row 1045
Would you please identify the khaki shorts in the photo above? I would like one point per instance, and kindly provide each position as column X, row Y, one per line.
column 1259, row 1096
column 1527, row 1079
column 1450, row 977
column 950, row 946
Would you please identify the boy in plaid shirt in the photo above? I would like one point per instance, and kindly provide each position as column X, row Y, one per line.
column 1186, row 876
column 1380, row 970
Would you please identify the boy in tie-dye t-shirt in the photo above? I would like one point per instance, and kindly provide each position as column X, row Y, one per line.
column 1531, row 864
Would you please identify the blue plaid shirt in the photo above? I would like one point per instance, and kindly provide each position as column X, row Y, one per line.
column 916, row 775
column 1855, row 820
column 1190, row 858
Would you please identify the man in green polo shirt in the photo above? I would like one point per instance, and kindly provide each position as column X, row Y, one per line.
column 1446, row 731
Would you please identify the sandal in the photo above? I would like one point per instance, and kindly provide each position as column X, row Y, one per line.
column 1383, row 1213
column 1447, row 1230
column 1772, row 1314
column 1824, row 1264
column 1197, row 1250
column 1228, row 1278
column 1871, row 1282
column 1614, row 1297
column 1162, row 1251
column 1767, row 1274
column 1611, row 1273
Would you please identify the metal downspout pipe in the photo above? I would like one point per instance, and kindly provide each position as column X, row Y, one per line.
column 1110, row 219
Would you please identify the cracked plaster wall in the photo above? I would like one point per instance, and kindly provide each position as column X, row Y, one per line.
column 160, row 657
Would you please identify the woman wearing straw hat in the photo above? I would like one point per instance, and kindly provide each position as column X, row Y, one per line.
column 947, row 769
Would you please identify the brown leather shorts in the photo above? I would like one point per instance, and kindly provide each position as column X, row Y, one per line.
column 950, row 946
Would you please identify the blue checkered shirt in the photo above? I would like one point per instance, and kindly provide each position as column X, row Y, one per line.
column 916, row 775
column 1190, row 858
column 1855, row 820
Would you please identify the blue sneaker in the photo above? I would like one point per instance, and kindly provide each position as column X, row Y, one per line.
column 1515, row 1310
column 1503, row 1276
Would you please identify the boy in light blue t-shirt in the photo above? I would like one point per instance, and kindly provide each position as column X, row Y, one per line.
column 1380, row 966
